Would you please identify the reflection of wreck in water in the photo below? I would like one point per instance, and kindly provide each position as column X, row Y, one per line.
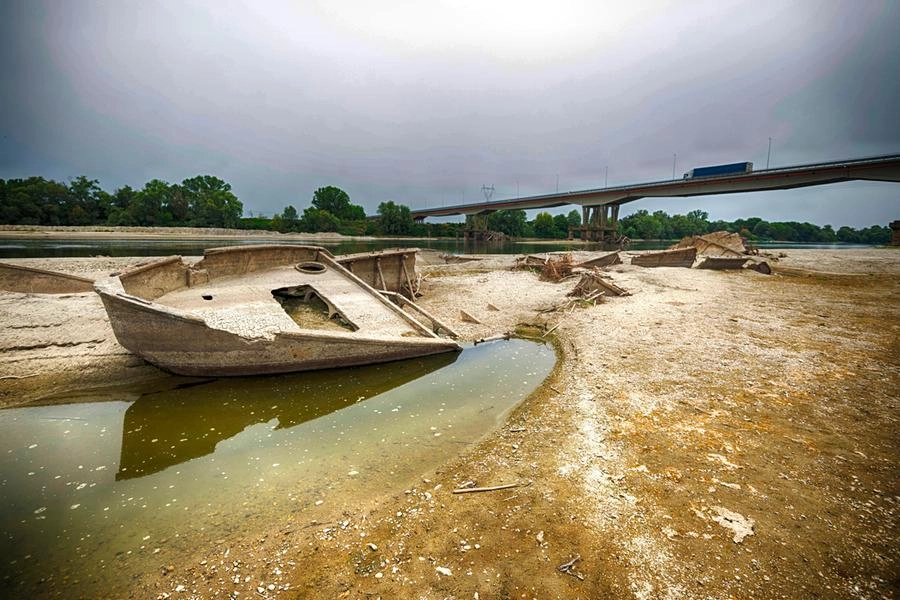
column 269, row 309
column 168, row 428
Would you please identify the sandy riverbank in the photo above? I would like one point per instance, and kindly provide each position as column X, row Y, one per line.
column 706, row 406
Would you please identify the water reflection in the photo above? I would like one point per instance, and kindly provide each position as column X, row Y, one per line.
column 167, row 428
column 95, row 494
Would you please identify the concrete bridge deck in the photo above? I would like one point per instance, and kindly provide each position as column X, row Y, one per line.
column 600, row 207
column 878, row 168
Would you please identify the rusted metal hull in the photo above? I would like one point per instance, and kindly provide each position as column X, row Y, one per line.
column 28, row 280
column 606, row 260
column 392, row 270
column 670, row 258
column 186, row 345
column 219, row 318
column 723, row 263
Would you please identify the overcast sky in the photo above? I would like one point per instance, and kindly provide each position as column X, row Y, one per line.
column 423, row 102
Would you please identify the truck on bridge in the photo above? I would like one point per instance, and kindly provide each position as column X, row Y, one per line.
column 715, row 170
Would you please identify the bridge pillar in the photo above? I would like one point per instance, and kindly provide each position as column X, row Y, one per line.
column 598, row 224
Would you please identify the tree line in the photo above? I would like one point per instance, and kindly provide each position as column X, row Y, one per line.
column 660, row 225
column 207, row 201
column 201, row 201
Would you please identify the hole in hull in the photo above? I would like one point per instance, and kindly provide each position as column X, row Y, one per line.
column 310, row 311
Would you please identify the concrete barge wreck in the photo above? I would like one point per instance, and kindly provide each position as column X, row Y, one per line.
column 251, row 310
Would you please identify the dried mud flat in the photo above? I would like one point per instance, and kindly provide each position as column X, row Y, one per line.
column 714, row 435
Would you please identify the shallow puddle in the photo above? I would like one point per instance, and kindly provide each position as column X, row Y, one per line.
column 93, row 495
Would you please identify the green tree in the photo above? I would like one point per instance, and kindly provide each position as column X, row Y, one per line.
column 544, row 227
column 288, row 220
column 211, row 203
column 395, row 219
column 574, row 218
column 314, row 220
column 510, row 222
column 88, row 203
column 337, row 202
column 561, row 226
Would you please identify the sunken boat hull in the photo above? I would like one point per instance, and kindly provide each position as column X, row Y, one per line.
column 682, row 257
column 223, row 316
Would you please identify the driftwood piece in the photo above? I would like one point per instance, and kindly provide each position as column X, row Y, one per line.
column 494, row 488
column 469, row 318
column 569, row 568
column 551, row 330
column 494, row 338
column 455, row 258
column 683, row 257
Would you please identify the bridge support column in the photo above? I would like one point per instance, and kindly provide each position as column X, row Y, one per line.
column 599, row 224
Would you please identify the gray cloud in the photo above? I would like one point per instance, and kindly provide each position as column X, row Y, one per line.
column 422, row 103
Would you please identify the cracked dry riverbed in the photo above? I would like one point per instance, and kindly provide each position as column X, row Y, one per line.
column 714, row 435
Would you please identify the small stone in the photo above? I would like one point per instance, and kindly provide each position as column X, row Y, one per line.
column 271, row 587
column 444, row 571
column 540, row 537
column 372, row 546
column 179, row 588
column 379, row 575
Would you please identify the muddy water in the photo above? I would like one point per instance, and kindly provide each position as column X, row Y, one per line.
column 92, row 495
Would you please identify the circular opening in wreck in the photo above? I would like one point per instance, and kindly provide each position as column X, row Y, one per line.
column 311, row 267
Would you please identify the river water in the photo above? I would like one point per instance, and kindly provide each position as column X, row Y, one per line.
column 93, row 494
column 82, row 247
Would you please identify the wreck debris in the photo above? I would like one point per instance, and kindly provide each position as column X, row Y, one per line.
column 594, row 281
column 468, row 318
column 682, row 257
column 160, row 312
column 557, row 270
column 28, row 280
column 552, row 268
column 436, row 325
column 605, row 260
column 760, row 267
column 718, row 243
column 723, row 263
column 389, row 270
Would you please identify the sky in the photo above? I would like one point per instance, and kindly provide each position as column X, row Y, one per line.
column 423, row 103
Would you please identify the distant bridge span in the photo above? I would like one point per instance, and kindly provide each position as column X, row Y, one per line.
column 600, row 207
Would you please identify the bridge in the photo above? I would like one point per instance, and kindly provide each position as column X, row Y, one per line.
column 600, row 207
